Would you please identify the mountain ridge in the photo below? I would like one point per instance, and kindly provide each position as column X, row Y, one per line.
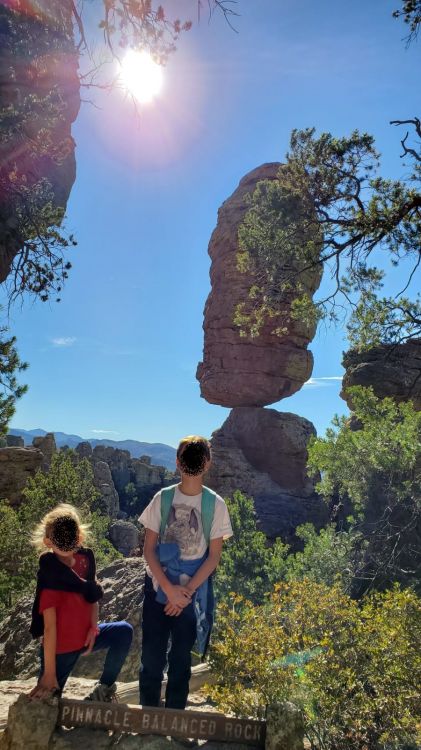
column 161, row 454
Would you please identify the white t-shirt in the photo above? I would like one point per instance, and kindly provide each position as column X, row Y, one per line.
column 184, row 525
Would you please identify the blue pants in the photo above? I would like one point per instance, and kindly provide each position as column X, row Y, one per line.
column 157, row 628
column 114, row 636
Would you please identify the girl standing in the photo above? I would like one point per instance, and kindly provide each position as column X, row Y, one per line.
column 65, row 610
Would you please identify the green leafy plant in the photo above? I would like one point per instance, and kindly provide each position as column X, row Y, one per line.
column 353, row 669
column 67, row 481
column 377, row 468
column 248, row 565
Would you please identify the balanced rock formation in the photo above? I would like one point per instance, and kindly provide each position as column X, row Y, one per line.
column 236, row 370
column 263, row 453
column 122, row 581
column 17, row 465
column 391, row 369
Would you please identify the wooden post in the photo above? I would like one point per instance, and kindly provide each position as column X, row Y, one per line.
column 284, row 729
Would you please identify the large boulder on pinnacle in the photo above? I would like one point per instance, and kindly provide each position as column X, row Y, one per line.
column 392, row 370
column 236, row 370
column 263, row 453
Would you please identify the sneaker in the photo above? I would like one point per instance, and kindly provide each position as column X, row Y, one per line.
column 103, row 693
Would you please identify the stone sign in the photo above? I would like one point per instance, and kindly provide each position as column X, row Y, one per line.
column 165, row 721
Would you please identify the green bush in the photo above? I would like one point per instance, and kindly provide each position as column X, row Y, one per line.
column 65, row 482
column 328, row 556
column 377, row 469
column 354, row 669
column 248, row 566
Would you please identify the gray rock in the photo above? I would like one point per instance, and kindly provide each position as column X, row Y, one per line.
column 47, row 446
column 263, row 453
column 17, row 465
column 124, row 536
column 31, row 724
column 15, row 441
column 391, row 369
column 84, row 450
column 81, row 739
column 285, row 729
column 103, row 481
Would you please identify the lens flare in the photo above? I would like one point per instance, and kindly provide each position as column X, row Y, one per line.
column 141, row 76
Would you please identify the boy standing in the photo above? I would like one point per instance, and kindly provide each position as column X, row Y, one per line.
column 191, row 522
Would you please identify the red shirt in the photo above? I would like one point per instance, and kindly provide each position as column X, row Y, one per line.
column 73, row 612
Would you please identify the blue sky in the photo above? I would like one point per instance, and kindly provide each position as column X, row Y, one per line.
column 117, row 357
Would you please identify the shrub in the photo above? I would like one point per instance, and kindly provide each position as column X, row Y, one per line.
column 355, row 669
column 248, row 565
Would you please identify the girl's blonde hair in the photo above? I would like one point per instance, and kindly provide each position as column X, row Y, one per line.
column 44, row 528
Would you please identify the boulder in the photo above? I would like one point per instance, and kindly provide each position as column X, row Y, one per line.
column 47, row 446
column 84, row 449
column 263, row 453
column 123, row 582
column 17, row 465
column 238, row 370
column 391, row 369
column 103, row 481
column 125, row 537
column 15, row 441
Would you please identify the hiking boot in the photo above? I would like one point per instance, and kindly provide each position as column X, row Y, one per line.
column 103, row 693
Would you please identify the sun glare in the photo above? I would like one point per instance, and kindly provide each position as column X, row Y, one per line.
column 141, row 76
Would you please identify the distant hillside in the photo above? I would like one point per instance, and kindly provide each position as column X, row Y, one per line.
column 161, row 454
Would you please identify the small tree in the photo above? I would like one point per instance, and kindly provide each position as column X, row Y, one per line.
column 328, row 556
column 248, row 566
column 10, row 390
column 328, row 210
column 377, row 469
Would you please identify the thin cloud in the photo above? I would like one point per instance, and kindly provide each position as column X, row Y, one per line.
column 323, row 381
column 105, row 432
column 64, row 341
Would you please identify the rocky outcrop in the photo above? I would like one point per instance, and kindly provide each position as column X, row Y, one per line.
column 236, row 370
column 17, row 465
column 145, row 476
column 39, row 101
column 103, row 481
column 47, row 446
column 125, row 537
column 123, row 595
column 391, row 369
column 15, row 441
column 263, row 453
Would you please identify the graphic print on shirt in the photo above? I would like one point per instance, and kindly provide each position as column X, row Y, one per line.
column 184, row 527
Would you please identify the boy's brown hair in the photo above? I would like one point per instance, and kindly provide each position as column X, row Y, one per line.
column 193, row 452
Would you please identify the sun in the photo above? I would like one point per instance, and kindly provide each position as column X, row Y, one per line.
column 141, row 75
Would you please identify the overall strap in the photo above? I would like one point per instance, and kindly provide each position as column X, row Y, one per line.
column 167, row 496
column 208, row 512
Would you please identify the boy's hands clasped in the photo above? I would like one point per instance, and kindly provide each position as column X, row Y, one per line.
column 178, row 597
